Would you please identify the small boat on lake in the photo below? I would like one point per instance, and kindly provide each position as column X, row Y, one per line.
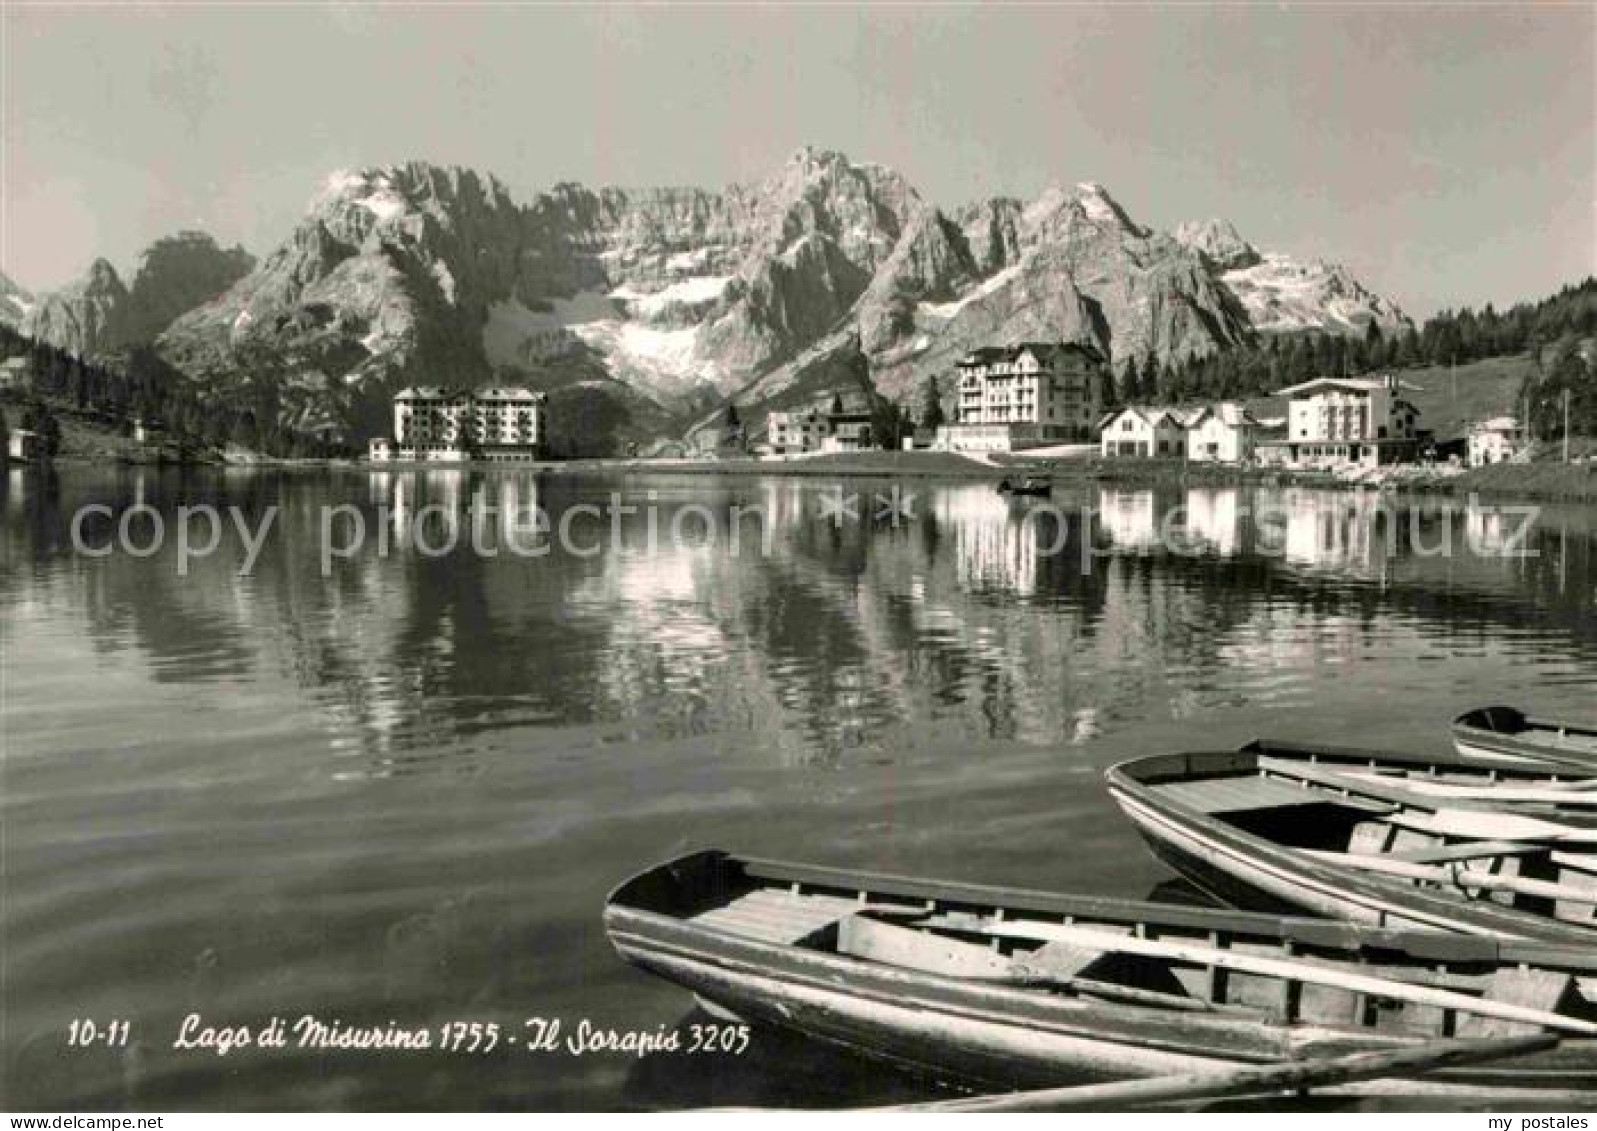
column 1031, row 485
column 1505, row 732
column 1005, row 989
column 1434, row 842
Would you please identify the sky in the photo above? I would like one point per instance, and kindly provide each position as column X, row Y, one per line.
column 1448, row 155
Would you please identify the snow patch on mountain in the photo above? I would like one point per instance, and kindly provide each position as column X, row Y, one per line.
column 1094, row 203
column 696, row 291
column 947, row 310
column 367, row 189
column 1282, row 295
column 516, row 336
column 631, row 346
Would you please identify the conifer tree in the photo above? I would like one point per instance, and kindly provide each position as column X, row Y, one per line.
column 932, row 409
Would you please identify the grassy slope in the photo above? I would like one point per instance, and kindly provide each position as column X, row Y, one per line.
column 1450, row 401
column 83, row 435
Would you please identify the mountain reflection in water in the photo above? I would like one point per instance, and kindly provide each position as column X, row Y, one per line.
column 401, row 789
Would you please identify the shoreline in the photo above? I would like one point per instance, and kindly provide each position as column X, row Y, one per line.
column 1540, row 482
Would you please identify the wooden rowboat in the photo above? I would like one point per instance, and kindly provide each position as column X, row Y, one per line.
column 1499, row 733
column 1030, row 485
column 1389, row 839
column 1002, row 989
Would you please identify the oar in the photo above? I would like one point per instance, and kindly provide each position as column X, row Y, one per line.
column 1252, row 1080
column 1574, row 794
column 1262, row 964
column 1488, row 824
column 1458, row 876
column 1478, row 820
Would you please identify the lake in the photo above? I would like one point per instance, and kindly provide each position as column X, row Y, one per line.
column 391, row 780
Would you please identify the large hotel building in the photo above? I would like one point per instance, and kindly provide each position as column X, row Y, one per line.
column 432, row 424
column 1026, row 395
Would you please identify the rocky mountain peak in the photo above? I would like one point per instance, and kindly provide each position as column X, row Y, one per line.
column 1219, row 242
column 15, row 302
column 85, row 317
column 860, row 208
column 100, row 279
column 1101, row 208
column 175, row 275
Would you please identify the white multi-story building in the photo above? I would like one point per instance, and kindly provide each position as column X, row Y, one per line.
column 1494, row 441
column 1025, row 395
column 432, row 424
column 1341, row 421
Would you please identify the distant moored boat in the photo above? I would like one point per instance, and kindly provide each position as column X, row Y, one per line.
column 1031, row 485
column 1506, row 732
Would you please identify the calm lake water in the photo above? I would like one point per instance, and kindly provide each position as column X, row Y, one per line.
column 400, row 789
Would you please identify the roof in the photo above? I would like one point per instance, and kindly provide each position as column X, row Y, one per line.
column 1149, row 414
column 496, row 393
column 1497, row 424
column 1230, row 413
column 1351, row 384
column 983, row 355
column 1044, row 349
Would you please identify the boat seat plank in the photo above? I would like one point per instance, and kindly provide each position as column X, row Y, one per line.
column 1581, row 879
column 772, row 915
column 860, row 936
column 1576, row 861
column 1062, row 959
column 1549, row 990
column 1381, row 837
column 1235, row 794
column 1259, row 991
column 1328, row 1005
column 1476, row 851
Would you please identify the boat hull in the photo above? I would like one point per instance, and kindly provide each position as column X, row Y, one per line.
column 951, row 1043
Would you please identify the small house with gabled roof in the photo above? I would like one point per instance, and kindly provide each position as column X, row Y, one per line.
column 1221, row 433
column 1146, row 431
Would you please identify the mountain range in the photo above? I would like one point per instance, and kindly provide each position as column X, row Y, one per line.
column 643, row 312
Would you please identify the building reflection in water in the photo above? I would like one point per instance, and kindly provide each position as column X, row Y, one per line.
column 1129, row 519
column 1215, row 520
column 995, row 539
column 1339, row 530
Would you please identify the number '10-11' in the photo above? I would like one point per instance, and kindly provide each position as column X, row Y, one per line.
column 113, row 1034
